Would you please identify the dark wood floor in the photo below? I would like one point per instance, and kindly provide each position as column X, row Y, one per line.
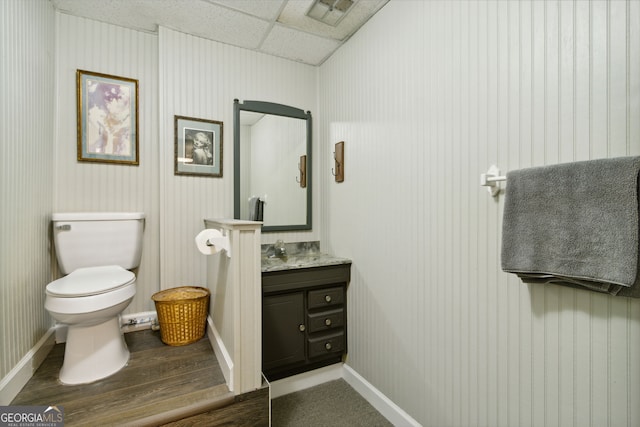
column 159, row 385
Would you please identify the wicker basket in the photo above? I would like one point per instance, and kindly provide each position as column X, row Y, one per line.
column 182, row 314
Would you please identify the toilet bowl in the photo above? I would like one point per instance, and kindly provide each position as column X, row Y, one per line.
column 89, row 301
column 95, row 251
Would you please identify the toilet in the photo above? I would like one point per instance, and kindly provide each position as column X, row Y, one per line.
column 95, row 252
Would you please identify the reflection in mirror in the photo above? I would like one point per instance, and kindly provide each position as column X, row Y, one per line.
column 270, row 142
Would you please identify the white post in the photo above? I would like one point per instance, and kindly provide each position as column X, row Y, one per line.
column 236, row 309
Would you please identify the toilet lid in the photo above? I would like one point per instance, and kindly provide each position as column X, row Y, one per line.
column 91, row 281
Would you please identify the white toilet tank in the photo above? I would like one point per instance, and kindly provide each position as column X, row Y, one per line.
column 92, row 239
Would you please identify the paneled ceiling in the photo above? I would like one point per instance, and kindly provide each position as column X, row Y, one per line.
column 275, row 27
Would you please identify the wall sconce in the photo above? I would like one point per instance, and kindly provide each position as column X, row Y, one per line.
column 338, row 157
column 302, row 167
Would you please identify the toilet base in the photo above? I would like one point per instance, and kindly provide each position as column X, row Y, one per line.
column 93, row 352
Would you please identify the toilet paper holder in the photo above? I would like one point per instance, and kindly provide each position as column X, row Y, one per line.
column 210, row 241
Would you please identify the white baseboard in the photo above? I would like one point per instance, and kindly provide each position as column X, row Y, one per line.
column 305, row 380
column 382, row 403
column 224, row 359
column 379, row 401
column 138, row 321
column 18, row 377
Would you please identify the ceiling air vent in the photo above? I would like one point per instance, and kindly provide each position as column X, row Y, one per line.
column 329, row 12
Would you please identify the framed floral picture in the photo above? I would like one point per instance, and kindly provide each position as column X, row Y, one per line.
column 107, row 118
column 198, row 147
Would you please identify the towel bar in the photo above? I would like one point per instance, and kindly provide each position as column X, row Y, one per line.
column 491, row 179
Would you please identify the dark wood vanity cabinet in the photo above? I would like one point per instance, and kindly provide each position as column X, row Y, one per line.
column 304, row 319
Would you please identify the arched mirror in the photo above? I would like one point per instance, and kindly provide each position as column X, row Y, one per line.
column 272, row 165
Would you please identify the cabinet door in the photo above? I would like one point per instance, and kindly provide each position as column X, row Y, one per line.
column 283, row 337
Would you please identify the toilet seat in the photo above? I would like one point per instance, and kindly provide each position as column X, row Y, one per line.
column 90, row 281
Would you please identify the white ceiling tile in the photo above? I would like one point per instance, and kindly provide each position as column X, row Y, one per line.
column 277, row 27
column 265, row 9
column 294, row 15
column 214, row 22
column 297, row 45
column 127, row 14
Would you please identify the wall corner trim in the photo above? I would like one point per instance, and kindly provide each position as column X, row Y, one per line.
column 382, row 403
column 18, row 377
column 379, row 401
column 220, row 350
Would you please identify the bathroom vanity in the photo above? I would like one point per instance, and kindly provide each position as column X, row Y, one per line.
column 304, row 312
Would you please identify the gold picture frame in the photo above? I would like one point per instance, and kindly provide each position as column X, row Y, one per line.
column 107, row 108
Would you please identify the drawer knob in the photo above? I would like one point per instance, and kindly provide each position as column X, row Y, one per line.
column 327, row 322
column 301, row 328
column 327, row 298
column 328, row 346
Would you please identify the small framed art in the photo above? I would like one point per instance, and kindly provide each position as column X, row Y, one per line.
column 198, row 147
column 107, row 108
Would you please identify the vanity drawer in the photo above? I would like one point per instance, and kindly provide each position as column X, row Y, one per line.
column 326, row 297
column 326, row 344
column 325, row 320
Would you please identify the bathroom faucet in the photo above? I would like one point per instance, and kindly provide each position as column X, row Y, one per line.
column 279, row 249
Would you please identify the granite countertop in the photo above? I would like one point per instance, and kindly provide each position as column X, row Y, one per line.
column 298, row 255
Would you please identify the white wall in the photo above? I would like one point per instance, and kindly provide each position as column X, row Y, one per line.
column 80, row 186
column 426, row 97
column 200, row 78
column 27, row 88
column 178, row 75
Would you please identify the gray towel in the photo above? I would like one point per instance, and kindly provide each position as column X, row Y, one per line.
column 575, row 224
